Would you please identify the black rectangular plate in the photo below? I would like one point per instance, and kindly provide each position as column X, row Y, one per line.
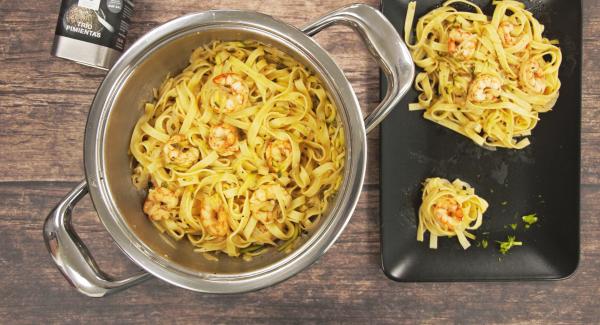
column 542, row 178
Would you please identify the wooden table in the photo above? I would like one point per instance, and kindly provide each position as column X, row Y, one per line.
column 43, row 107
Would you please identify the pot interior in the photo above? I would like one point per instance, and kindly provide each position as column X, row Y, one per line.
column 169, row 57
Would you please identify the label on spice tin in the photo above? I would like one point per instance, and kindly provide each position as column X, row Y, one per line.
column 101, row 22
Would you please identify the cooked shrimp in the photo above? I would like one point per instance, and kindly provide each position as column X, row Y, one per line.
column 159, row 203
column 264, row 204
column 461, row 43
column 212, row 215
column 484, row 87
column 532, row 76
column 277, row 152
column 236, row 95
column 504, row 30
column 179, row 151
column 447, row 210
column 224, row 139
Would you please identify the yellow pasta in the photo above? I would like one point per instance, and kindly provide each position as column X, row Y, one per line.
column 485, row 78
column 448, row 210
column 242, row 150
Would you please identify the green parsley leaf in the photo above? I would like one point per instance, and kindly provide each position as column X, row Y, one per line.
column 505, row 246
column 484, row 243
column 513, row 226
column 530, row 219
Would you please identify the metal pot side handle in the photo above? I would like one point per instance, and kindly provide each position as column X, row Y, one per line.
column 385, row 45
column 72, row 257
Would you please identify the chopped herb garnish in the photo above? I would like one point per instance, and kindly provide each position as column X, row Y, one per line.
column 529, row 219
column 484, row 243
column 505, row 246
column 513, row 226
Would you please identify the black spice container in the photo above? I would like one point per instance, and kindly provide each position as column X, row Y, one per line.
column 92, row 32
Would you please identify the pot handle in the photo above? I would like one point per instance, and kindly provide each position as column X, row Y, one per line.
column 385, row 45
column 72, row 257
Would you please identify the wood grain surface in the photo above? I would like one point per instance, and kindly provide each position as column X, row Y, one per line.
column 43, row 108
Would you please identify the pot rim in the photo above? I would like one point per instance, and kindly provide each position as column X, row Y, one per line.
column 292, row 263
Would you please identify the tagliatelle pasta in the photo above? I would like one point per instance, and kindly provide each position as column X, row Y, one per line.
column 242, row 150
column 448, row 210
column 485, row 78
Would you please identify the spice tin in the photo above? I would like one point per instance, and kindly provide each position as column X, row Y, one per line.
column 92, row 32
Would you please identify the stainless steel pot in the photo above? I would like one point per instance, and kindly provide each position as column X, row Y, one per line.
column 118, row 105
